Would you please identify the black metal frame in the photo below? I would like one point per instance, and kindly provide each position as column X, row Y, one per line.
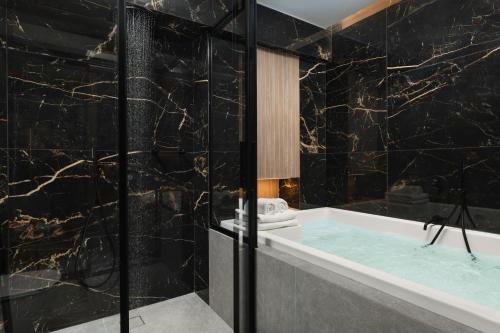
column 250, row 157
column 123, row 164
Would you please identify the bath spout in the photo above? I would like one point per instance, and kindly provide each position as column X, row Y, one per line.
column 436, row 219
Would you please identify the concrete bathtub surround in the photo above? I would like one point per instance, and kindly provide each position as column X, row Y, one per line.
column 302, row 289
column 294, row 295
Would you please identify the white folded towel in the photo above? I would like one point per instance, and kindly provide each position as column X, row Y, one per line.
column 281, row 217
column 270, row 206
column 282, row 205
column 268, row 226
column 266, row 206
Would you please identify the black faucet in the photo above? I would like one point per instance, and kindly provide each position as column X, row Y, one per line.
column 436, row 219
column 463, row 212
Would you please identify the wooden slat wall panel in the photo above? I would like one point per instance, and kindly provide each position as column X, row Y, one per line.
column 278, row 115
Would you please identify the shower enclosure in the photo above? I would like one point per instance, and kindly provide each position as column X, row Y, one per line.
column 249, row 166
column 110, row 169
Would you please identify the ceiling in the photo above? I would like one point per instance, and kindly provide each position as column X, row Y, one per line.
column 323, row 13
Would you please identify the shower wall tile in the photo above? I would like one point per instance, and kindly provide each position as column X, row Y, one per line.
column 276, row 29
column 201, row 189
column 68, row 29
column 201, row 216
column 3, row 82
column 226, row 126
column 3, row 125
column 227, row 112
column 200, row 162
column 207, row 12
column 160, row 226
column 51, row 197
column 161, row 254
column 76, row 98
column 4, row 191
column 161, row 84
column 59, row 89
column 79, row 306
column 201, row 95
column 227, row 95
column 162, row 169
column 61, row 74
column 168, row 113
column 225, row 175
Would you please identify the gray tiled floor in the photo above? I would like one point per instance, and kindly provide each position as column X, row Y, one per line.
column 185, row 314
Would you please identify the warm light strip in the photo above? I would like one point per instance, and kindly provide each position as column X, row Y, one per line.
column 368, row 11
column 268, row 188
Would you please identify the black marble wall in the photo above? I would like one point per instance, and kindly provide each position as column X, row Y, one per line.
column 412, row 92
column 279, row 30
column 313, row 134
column 313, row 45
column 58, row 112
column 59, row 165
column 168, row 140
column 227, row 112
column 206, row 12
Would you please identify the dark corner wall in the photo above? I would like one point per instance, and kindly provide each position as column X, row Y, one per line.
column 411, row 93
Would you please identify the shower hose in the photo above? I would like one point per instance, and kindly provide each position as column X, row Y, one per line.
column 81, row 243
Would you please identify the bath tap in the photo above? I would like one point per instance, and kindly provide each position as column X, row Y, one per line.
column 462, row 207
column 436, row 219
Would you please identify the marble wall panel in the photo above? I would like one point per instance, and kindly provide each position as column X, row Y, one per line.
column 312, row 107
column 52, row 196
column 356, row 88
column 207, row 12
column 416, row 83
column 283, row 31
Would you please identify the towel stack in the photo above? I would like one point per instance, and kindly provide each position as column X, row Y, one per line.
column 271, row 214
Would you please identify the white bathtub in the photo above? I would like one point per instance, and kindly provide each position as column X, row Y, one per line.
column 468, row 313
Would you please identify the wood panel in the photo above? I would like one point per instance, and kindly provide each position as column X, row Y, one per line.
column 368, row 11
column 278, row 115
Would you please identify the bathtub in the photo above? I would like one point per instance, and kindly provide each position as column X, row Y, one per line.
column 463, row 311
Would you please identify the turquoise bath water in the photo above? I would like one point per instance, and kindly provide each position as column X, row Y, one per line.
column 443, row 268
